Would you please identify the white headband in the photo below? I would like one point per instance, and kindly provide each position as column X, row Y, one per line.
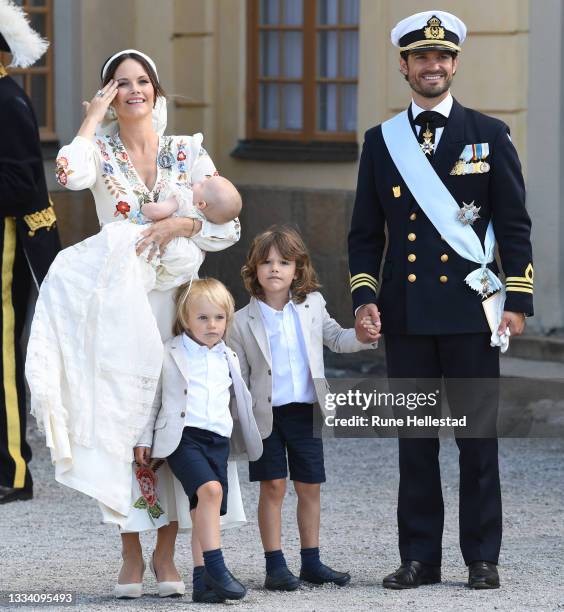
column 124, row 52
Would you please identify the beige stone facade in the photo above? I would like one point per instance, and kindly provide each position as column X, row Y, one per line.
column 201, row 51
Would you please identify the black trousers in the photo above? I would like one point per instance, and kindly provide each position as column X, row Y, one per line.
column 15, row 277
column 420, row 500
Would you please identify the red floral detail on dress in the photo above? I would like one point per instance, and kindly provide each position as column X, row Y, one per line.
column 124, row 156
column 147, row 480
column 63, row 171
column 181, row 156
column 122, row 208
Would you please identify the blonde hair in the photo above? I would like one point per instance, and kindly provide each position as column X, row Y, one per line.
column 287, row 241
column 208, row 288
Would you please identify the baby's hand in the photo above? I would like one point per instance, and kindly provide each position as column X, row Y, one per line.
column 157, row 211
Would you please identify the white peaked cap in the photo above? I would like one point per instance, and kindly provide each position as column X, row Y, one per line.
column 25, row 44
column 429, row 30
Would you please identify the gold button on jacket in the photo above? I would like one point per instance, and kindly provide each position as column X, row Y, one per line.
column 443, row 279
column 444, row 258
column 411, row 257
column 411, row 237
column 412, row 278
column 412, row 217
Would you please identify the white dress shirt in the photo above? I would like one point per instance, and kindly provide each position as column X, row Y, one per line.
column 208, row 385
column 443, row 108
column 291, row 376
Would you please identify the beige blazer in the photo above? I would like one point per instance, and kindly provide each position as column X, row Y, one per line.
column 164, row 429
column 248, row 338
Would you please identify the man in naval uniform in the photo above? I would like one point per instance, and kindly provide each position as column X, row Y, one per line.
column 28, row 242
column 446, row 183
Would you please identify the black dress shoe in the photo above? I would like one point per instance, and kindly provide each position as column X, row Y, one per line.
column 483, row 575
column 324, row 575
column 226, row 586
column 206, row 596
column 281, row 579
column 10, row 494
column 412, row 574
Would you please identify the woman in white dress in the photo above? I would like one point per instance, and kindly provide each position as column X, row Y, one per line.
column 121, row 155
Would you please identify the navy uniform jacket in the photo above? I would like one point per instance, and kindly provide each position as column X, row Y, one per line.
column 23, row 190
column 423, row 289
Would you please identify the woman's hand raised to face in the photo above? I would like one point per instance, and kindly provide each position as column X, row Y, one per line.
column 97, row 107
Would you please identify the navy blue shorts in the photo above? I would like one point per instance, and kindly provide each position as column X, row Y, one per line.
column 292, row 432
column 200, row 457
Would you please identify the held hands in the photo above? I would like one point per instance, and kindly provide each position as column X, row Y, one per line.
column 142, row 455
column 367, row 324
column 97, row 107
column 515, row 321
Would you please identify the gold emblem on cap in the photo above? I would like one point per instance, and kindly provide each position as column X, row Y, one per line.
column 434, row 29
column 397, row 191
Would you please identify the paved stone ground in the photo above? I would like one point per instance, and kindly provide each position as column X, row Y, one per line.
column 57, row 543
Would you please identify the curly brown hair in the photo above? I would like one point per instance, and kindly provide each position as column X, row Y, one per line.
column 288, row 242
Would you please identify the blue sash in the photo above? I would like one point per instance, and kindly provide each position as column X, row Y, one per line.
column 438, row 204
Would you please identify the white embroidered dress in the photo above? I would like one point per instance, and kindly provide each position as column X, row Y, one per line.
column 92, row 422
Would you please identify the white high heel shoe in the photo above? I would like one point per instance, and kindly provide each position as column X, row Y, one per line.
column 167, row 589
column 133, row 590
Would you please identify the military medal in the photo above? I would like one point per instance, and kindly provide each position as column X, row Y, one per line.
column 458, row 169
column 427, row 146
column 468, row 213
column 485, row 284
column 472, row 160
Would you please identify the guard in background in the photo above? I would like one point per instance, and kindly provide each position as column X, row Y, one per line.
column 446, row 183
column 29, row 242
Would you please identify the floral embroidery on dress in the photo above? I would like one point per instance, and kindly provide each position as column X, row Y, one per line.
column 63, row 170
column 122, row 208
column 112, row 182
column 181, row 159
column 147, row 479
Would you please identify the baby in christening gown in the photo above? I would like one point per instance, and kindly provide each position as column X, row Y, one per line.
column 214, row 198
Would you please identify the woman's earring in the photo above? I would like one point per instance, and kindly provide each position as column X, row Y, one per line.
column 111, row 113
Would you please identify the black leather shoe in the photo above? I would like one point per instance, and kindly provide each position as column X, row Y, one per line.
column 412, row 574
column 226, row 586
column 9, row 494
column 324, row 575
column 281, row 579
column 483, row 575
column 206, row 596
